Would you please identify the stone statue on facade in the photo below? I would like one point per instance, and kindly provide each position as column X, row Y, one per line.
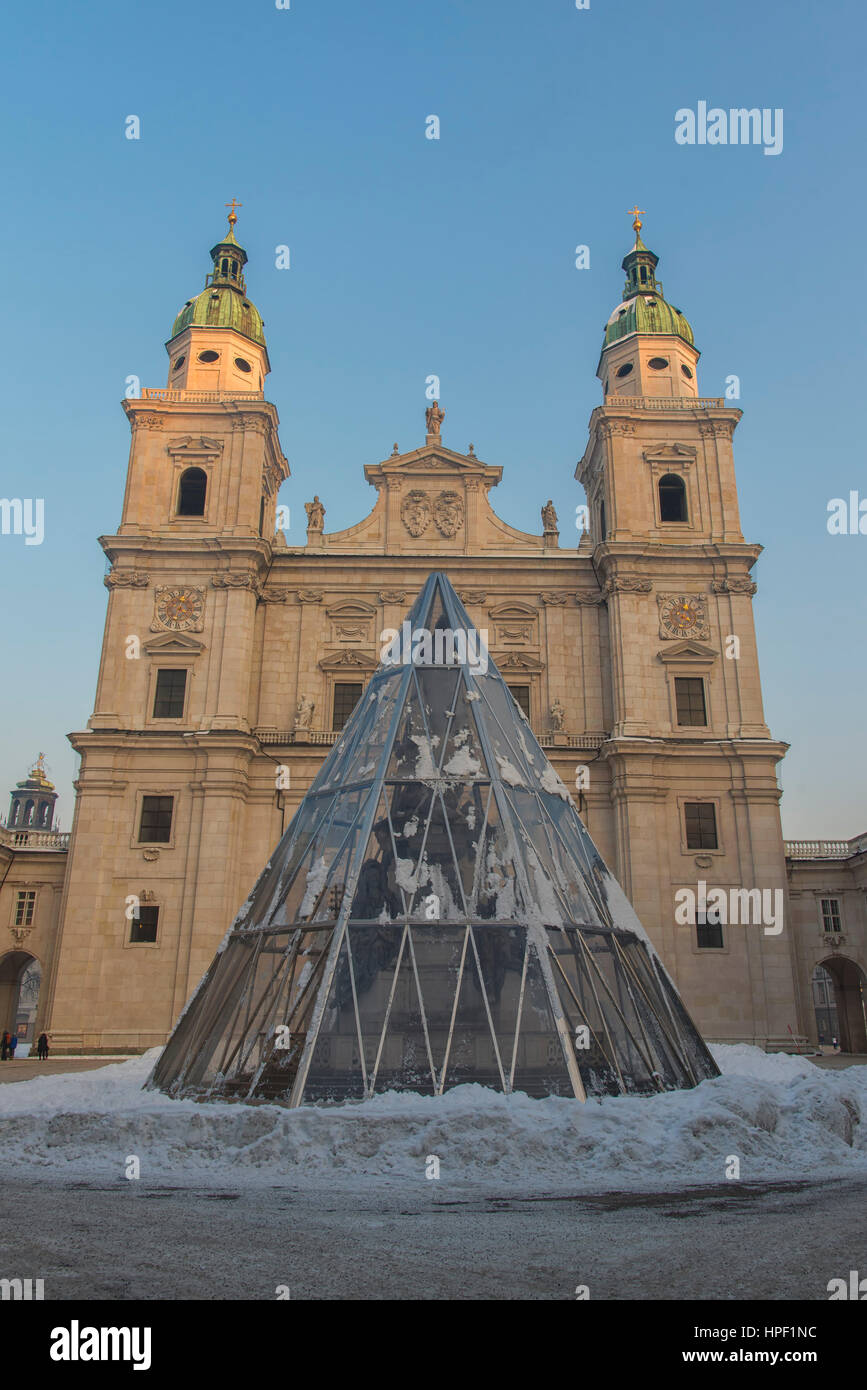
column 434, row 417
column 558, row 716
column 315, row 514
column 549, row 516
column 303, row 713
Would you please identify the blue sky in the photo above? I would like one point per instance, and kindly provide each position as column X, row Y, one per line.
column 455, row 257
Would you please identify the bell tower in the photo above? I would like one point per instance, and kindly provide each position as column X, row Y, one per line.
column 33, row 800
column 218, row 338
column 169, row 778
column 648, row 348
column 205, row 458
column 691, row 762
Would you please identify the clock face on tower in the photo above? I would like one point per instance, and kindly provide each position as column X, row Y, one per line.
column 180, row 609
column 682, row 615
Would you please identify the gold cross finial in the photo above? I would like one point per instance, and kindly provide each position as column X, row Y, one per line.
column 233, row 216
column 633, row 212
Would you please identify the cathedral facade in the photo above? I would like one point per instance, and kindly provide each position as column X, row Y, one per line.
column 231, row 660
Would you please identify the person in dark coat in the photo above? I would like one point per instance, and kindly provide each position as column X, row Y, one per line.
column 5, row 1049
column 13, row 1043
column 42, row 1047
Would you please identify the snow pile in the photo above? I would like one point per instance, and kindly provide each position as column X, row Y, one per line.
column 739, row 1059
column 781, row 1116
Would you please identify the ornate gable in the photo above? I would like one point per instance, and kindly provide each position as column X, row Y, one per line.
column 348, row 661
column 433, row 501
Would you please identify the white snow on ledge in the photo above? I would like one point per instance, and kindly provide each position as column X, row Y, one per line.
column 783, row 1117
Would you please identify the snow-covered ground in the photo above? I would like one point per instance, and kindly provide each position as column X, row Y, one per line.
column 779, row 1115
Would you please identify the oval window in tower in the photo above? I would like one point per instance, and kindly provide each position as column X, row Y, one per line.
column 178, row 364
column 658, row 364
column 686, row 371
column 242, row 365
column 625, row 369
column 209, row 355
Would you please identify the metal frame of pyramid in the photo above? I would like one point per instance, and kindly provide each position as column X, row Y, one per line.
column 436, row 913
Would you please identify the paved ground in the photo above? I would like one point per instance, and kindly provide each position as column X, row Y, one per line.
column 129, row 1240
column 835, row 1060
column 25, row 1068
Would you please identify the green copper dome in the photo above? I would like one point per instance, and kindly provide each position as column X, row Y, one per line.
column 643, row 309
column 223, row 303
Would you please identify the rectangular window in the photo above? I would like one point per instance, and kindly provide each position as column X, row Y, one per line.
column 24, row 908
column 170, row 692
column 521, row 696
column 346, row 696
column 700, row 821
column 708, row 934
column 156, row 820
column 144, row 927
column 831, row 914
column 689, row 697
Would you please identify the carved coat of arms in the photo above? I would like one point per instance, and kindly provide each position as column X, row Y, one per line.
column 449, row 513
column 415, row 512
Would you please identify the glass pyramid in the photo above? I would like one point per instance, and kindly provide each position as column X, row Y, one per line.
column 436, row 913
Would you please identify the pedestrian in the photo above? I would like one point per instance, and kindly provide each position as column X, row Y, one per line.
column 835, row 1044
column 4, row 1047
column 42, row 1047
column 13, row 1043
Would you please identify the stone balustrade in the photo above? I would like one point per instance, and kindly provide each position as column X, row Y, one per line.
column 165, row 393
column 824, row 849
column 34, row 839
column 668, row 402
column 286, row 736
column 328, row 736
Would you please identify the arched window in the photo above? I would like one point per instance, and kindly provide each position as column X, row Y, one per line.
column 16, row 807
column 224, row 266
column 28, row 813
column 672, row 498
column 192, row 492
column 603, row 530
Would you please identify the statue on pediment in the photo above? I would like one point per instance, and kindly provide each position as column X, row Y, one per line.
column 434, row 417
column 549, row 517
column 315, row 514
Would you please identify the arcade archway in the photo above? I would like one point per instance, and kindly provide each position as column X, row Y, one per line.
column 20, row 979
column 840, row 1000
